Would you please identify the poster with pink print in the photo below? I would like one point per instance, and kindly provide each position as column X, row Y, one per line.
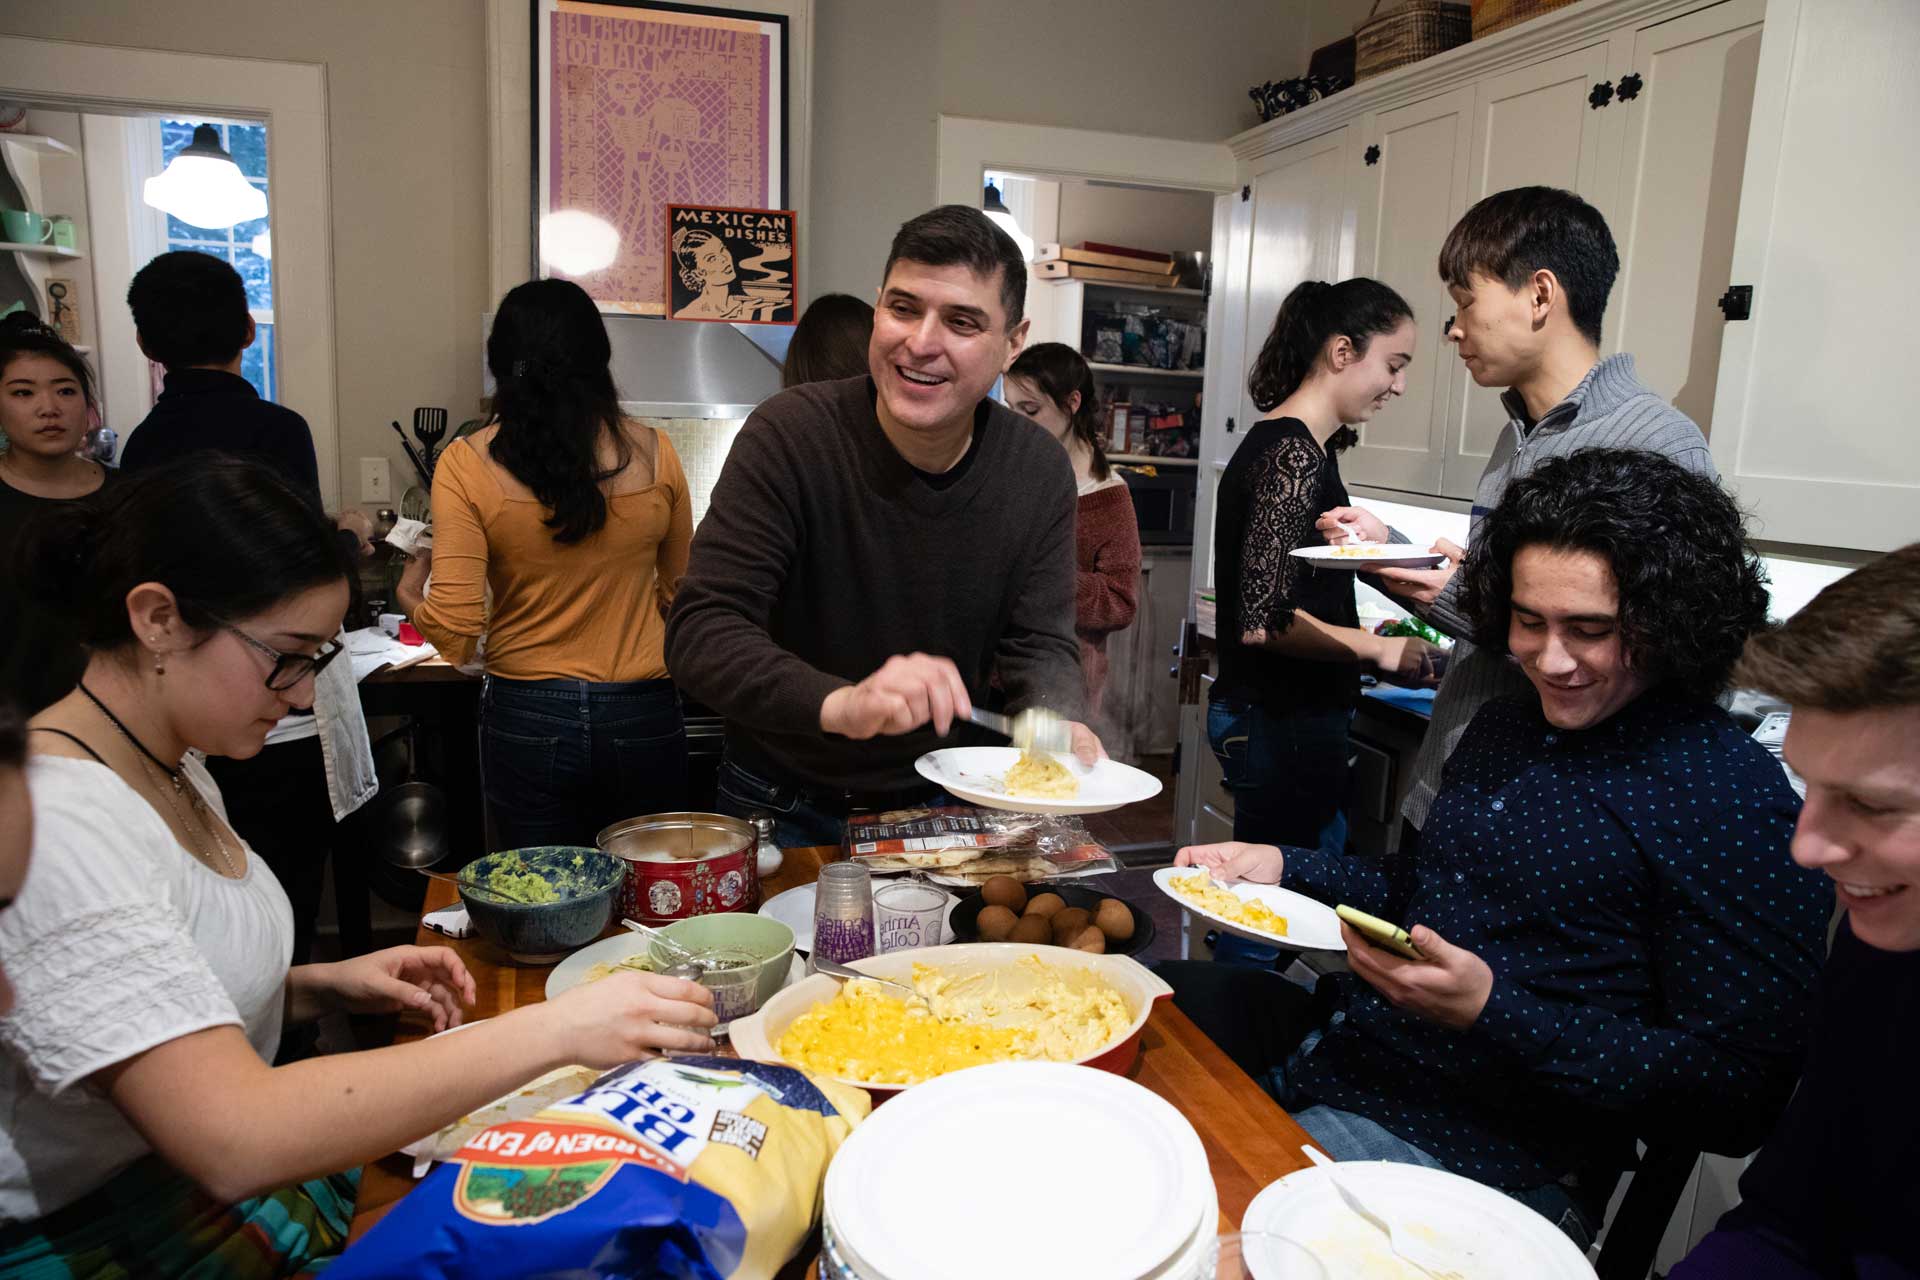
column 638, row 107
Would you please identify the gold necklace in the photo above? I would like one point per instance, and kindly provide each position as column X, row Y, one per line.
column 174, row 794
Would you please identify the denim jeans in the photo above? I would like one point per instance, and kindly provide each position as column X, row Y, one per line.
column 562, row 759
column 1289, row 778
column 798, row 821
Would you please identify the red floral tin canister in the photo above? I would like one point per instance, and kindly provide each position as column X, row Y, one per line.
column 681, row 865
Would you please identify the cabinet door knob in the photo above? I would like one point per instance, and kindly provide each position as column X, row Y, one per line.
column 1446, row 326
column 1372, row 155
column 1602, row 94
column 1630, row 87
column 1230, row 427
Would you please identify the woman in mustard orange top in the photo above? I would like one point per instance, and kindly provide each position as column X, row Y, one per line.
column 576, row 522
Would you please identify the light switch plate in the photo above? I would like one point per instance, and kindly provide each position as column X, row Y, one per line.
column 376, row 480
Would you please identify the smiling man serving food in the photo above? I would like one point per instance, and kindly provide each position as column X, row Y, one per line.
column 879, row 546
column 1611, row 947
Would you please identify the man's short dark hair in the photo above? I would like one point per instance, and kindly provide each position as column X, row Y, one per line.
column 190, row 309
column 957, row 235
column 1855, row 647
column 1691, row 588
column 1512, row 234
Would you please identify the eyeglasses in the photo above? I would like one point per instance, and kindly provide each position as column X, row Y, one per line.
column 289, row 669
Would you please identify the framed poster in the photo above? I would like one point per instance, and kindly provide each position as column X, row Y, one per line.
column 735, row 265
column 638, row 106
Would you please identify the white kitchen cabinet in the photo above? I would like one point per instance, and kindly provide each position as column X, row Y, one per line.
column 1683, row 152
column 1413, row 189
column 1642, row 107
column 1142, row 701
column 1811, row 423
column 1535, row 126
column 1301, row 231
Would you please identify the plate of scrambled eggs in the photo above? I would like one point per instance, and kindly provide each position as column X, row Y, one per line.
column 1383, row 555
column 1262, row 912
column 980, row 1003
column 1037, row 782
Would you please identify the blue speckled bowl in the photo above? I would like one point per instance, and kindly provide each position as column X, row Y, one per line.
column 544, row 932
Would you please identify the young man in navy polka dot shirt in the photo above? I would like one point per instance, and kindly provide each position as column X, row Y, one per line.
column 1616, row 947
column 1836, row 1192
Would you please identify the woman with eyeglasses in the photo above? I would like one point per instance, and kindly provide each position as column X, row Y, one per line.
column 142, row 1129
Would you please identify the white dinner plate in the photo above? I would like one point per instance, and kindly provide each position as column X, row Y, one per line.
column 1378, row 555
column 1311, row 924
column 978, row 776
column 572, row 971
column 794, row 909
column 1489, row 1236
column 1123, row 1204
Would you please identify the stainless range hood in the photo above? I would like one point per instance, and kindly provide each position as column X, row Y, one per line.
column 686, row 369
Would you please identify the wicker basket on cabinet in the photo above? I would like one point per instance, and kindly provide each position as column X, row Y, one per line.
column 1490, row 16
column 1417, row 29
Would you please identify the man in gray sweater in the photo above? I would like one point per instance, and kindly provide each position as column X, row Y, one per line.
column 879, row 547
column 1529, row 271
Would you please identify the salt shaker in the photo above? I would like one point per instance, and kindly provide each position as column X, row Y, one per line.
column 768, row 857
column 843, row 913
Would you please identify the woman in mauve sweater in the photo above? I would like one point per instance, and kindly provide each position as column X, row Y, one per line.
column 1051, row 384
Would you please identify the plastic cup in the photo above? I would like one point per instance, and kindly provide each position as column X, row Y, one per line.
column 843, row 913
column 733, row 977
column 907, row 914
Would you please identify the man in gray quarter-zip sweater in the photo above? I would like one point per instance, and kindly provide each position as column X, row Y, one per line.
column 1529, row 271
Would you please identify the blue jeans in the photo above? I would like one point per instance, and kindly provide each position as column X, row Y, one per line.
column 562, row 759
column 1289, row 778
column 799, row 822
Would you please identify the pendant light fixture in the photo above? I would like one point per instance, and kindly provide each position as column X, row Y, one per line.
column 204, row 187
column 1001, row 217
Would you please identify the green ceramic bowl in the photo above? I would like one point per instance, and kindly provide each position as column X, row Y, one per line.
column 735, row 931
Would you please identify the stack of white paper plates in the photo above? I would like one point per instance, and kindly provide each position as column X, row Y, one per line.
column 1020, row 1171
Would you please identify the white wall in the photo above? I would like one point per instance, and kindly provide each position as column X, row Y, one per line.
column 1136, row 217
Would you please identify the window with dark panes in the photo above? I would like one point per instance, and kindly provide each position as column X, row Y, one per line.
column 248, row 245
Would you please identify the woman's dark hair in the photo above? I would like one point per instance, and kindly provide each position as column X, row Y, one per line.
column 829, row 342
column 1059, row 371
column 25, row 335
column 1314, row 314
column 1691, row 589
column 13, row 736
column 554, row 398
column 229, row 537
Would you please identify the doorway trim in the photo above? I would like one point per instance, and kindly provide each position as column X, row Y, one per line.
column 969, row 146
column 292, row 98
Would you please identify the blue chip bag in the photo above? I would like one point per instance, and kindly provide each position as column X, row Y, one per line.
column 693, row 1168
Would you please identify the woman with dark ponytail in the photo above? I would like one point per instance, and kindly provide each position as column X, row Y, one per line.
column 143, row 1130
column 1051, row 383
column 46, row 409
column 577, row 522
column 1291, row 647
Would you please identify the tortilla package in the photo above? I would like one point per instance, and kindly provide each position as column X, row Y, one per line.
column 695, row 1168
column 970, row 843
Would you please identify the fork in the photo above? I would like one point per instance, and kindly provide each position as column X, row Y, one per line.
column 1407, row 1248
column 834, row 969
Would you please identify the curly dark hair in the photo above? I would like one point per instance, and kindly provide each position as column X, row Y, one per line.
column 1691, row 589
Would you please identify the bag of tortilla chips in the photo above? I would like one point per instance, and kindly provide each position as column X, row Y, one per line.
column 694, row 1168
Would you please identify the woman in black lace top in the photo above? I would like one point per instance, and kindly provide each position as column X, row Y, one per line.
column 1291, row 647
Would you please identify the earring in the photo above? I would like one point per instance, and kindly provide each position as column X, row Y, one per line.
column 159, row 658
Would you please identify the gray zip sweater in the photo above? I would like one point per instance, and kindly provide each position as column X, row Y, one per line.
column 1610, row 409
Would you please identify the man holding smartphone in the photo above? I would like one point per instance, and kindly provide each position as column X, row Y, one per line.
column 1610, row 946
column 1835, row 1191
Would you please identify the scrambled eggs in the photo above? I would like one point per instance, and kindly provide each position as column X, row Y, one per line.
column 1043, row 1013
column 1036, row 773
column 1200, row 890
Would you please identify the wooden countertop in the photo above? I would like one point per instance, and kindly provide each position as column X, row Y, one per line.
column 1249, row 1140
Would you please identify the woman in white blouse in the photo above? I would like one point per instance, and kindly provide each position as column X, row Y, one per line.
column 140, row 1120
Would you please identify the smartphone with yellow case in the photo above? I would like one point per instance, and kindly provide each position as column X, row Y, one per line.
column 1390, row 937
